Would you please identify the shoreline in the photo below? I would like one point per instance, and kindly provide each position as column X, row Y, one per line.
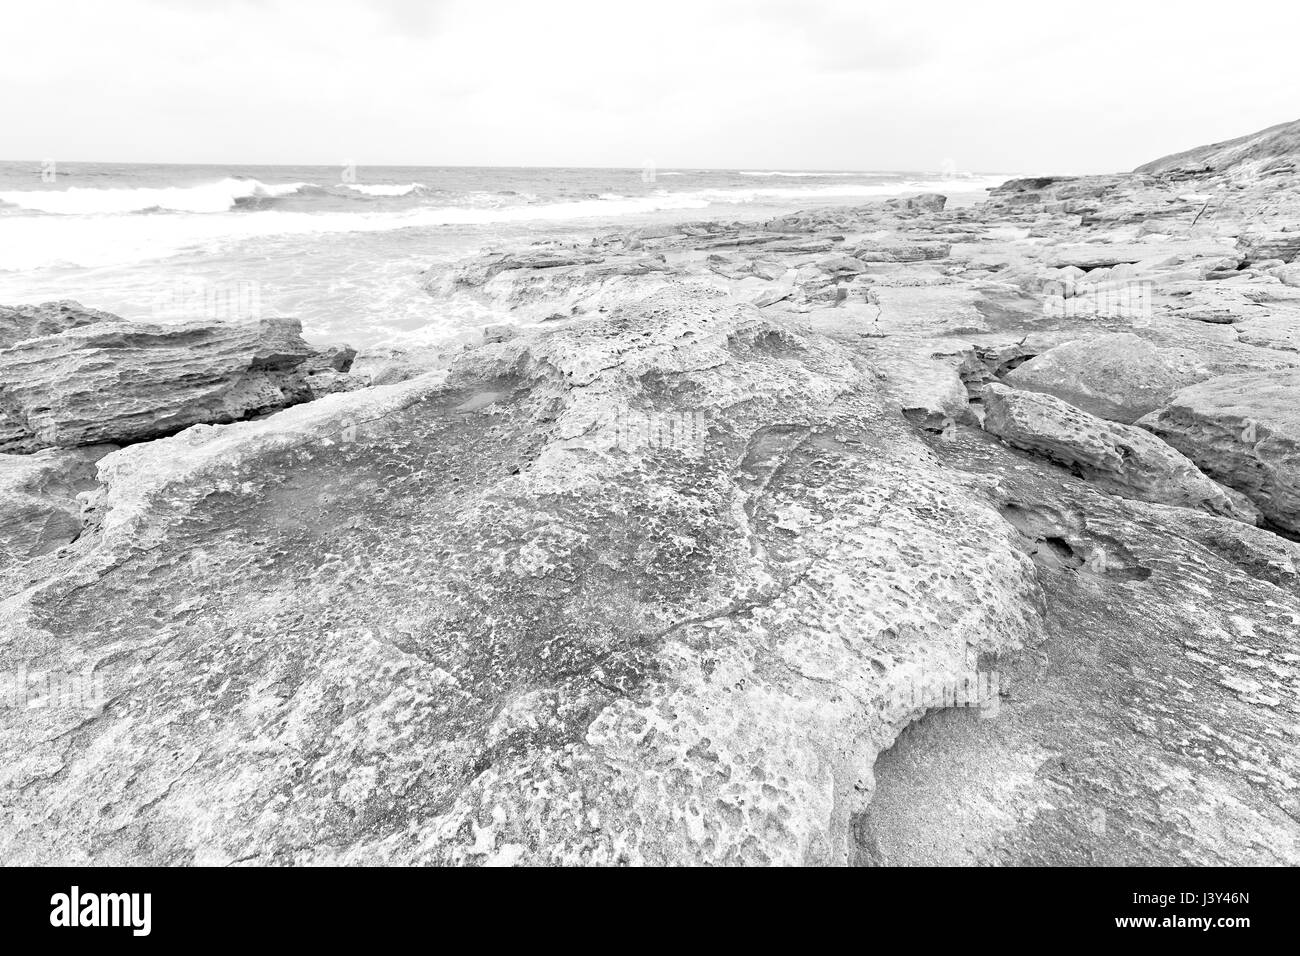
column 652, row 571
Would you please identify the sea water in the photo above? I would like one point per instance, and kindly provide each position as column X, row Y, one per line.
column 343, row 248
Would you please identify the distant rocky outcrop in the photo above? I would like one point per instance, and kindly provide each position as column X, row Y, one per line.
column 1270, row 151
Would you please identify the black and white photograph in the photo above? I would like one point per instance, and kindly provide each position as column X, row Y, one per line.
column 439, row 434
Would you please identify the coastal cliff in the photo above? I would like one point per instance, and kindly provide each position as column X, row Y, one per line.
column 733, row 543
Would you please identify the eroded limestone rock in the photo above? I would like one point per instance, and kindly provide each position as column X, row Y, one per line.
column 1244, row 431
column 1120, row 376
column 39, row 510
column 118, row 381
column 1122, row 459
column 654, row 587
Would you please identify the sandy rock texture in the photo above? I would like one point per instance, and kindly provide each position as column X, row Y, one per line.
column 1120, row 376
column 109, row 380
column 897, row 533
column 536, row 612
column 1245, row 429
column 1118, row 458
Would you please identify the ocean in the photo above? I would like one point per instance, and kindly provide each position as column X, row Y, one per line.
column 342, row 248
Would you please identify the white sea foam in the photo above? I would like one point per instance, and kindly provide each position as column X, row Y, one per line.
column 220, row 196
column 34, row 242
column 846, row 191
column 92, row 241
column 380, row 189
column 781, row 172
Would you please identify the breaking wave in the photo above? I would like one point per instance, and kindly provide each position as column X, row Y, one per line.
column 221, row 196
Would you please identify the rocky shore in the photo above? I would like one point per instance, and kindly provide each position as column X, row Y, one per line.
column 886, row 534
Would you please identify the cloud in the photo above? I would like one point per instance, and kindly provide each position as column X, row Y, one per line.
column 1000, row 86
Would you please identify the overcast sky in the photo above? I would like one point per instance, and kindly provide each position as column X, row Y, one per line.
column 772, row 84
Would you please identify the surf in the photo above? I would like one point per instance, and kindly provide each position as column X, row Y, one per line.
column 221, row 196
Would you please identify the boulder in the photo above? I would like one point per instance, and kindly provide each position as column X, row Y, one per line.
column 1244, row 431
column 1095, row 255
column 841, row 265
column 1121, row 459
column 873, row 251
column 118, row 381
column 925, row 202
column 1275, row 331
column 1120, row 376
column 1256, row 246
column 32, row 321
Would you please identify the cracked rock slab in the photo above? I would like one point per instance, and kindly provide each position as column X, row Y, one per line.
column 1122, row 459
column 1120, row 376
column 119, row 382
column 1244, row 430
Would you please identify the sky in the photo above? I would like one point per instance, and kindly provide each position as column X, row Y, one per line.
column 981, row 86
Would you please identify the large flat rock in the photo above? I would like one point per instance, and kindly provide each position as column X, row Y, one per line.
column 652, row 588
column 1120, row 376
column 118, row 381
column 1122, row 459
column 1244, row 430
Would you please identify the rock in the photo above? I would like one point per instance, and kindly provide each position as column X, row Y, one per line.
column 926, row 202
column 1258, row 246
column 452, row 612
column 1120, row 376
column 809, row 246
column 1029, row 184
column 1099, row 255
column 499, row 333
column 387, row 365
column 1255, row 149
column 661, row 578
column 39, row 511
column 772, row 271
column 1158, row 619
column 1280, row 332
column 33, row 321
column 1244, row 431
column 336, row 358
column 1122, row 459
column 117, row 381
column 21, row 322
column 841, row 265
column 901, row 251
